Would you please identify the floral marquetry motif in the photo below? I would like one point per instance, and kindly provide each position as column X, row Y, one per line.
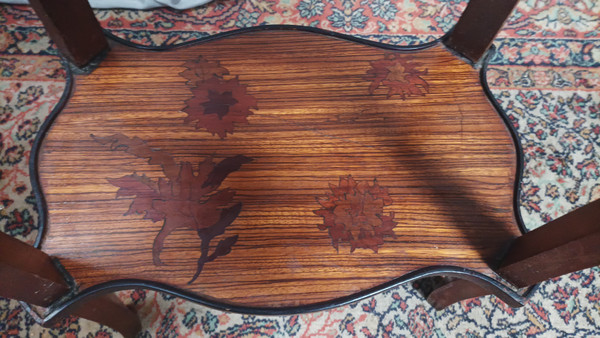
column 200, row 70
column 218, row 103
column 353, row 212
column 399, row 74
column 187, row 197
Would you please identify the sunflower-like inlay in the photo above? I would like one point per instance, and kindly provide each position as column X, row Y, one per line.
column 353, row 212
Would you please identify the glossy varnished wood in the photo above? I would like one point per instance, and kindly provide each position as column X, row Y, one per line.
column 445, row 156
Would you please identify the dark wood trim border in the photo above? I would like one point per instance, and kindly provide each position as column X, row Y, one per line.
column 513, row 132
column 240, row 31
column 509, row 296
column 35, row 149
column 504, row 292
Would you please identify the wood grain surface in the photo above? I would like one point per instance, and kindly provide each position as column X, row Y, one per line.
column 402, row 153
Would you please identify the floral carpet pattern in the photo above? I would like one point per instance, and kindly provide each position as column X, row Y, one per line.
column 545, row 75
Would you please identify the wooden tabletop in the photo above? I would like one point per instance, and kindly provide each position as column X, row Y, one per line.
column 277, row 168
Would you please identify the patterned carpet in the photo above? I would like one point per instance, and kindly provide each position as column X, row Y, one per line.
column 546, row 76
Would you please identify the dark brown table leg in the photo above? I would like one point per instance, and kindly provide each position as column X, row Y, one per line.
column 29, row 275
column 106, row 310
column 73, row 27
column 453, row 292
column 567, row 244
column 481, row 21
